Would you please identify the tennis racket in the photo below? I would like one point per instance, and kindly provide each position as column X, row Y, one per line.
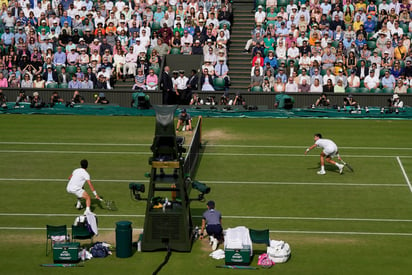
column 348, row 166
column 109, row 205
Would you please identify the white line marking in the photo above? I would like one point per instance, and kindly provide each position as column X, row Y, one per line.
column 271, row 231
column 228, row 182
column 404, row 173
column 226, row 216
column 205, row 154
column 208, row 145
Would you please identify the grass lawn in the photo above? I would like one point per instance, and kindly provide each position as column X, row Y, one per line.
column 355, row 223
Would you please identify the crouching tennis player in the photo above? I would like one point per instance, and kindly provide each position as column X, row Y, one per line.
column 330, row 149
column 75, row 186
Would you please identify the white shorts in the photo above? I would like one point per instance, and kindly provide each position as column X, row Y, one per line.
column 330, row 152
column 78, row 192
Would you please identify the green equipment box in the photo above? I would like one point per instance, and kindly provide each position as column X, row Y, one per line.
column 66, row 252
column 238, row 256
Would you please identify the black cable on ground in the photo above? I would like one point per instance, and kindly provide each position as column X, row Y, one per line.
column 169, row 253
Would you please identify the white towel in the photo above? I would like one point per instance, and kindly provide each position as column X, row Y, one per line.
column 91, row 220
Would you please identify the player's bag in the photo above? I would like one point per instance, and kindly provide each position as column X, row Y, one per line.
column 278, row 251
column 264, row 261
column 98, row 250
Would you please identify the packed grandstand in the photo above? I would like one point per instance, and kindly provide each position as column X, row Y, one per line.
column 295, row 46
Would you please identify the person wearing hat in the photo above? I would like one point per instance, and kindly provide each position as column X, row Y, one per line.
column 184, row 121
column 181, row 87
column 353, row 79
column 369, row 25
column 212, row 222
column 221, row 71
column 260, row 15
column 7, row 37
column 387, row 60
column 36, row 101
column 395, row 103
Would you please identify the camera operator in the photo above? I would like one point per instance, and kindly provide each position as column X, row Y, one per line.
column 322, row 101
column 196, row 100
column 101, row 98
column 349, row 101
column 36, row 101
column 21, row 98
column 395, row 103
column 55, row 99
column 76, row 99
column 239, row 100
column 3, row 100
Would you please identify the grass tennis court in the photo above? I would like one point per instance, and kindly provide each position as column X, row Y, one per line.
column 355, row 223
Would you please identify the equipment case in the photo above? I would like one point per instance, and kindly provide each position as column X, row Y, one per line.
column 238, row 256
column 66, row 252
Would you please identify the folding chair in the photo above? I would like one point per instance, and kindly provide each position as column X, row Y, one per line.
column 80, row 232
column 51, row 230
column 260, row 236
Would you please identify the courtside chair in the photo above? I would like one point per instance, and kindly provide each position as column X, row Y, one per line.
column 260, row 236
column 81, row 233
column 63, row 85
column 52, row 230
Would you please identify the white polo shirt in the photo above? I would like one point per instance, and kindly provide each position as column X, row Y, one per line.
column 78, row 179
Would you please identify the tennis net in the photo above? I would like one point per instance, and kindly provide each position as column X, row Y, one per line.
column 192, row 155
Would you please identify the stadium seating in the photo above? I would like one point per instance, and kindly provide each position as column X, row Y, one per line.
column 256, row 89
column 52, row 85
column 175, row 51
column 63, row 85
column 219, row 84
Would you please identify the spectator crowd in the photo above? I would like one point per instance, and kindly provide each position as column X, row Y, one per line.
column 92, row 44
column 331, row 46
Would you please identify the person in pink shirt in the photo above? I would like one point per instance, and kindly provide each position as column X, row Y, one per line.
column 151, row 80
column 3, row 81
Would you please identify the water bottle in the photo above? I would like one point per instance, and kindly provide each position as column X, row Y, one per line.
column 139, row 246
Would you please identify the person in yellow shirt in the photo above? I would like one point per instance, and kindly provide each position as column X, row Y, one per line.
column 360, row 5
column 357, row 23
column 400, row 51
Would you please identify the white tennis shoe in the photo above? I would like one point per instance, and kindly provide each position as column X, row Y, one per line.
column 340, row 166
column 321, row 172
column 215, row 243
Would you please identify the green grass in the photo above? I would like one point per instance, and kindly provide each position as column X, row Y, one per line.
column 356, row 223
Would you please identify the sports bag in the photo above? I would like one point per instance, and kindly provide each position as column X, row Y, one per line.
column 98, row 250
column 264, row 261
column 278, row 251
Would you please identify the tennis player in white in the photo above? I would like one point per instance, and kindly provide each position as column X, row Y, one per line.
column 330, row 149
column 75, row 186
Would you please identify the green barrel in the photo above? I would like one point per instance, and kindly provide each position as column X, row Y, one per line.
column 123, row 239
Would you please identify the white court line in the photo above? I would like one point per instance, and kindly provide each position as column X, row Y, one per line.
column 229, row 182
column 204, row 154
column 226, row 216
column 208, row 145
column 404, row 173
column 271, row 231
